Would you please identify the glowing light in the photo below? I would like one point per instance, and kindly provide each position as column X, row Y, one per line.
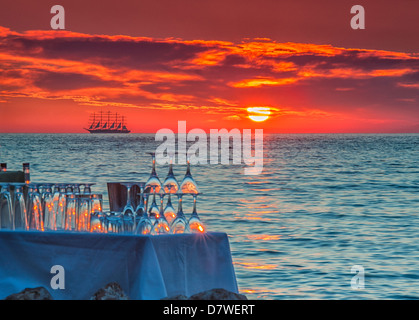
column 189, row 187
column 259, row 114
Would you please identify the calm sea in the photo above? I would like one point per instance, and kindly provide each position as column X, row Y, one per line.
column 322, row 204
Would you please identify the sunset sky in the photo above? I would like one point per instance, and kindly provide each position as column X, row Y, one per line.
column 206, row 62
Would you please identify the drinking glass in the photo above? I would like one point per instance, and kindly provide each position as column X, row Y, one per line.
column 127, row 223
column 161, row 226
column 188, row 184
column 170, row 184
column 60, row 200
column 83, row 214
column 48, row 207
column 98, row 223
column 153, row 181
column 34, row 208
column 20, row 212
column 144, row 226
column 179, row 224
column 70, row 211
column 195, row 224
column 169, row 211
column 96, row 203
column 114, row 222
column 154, row 210
column 139, row 210
column 129, row 208
column 6, row 208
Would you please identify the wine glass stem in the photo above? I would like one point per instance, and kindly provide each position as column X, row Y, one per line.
column 128, row 195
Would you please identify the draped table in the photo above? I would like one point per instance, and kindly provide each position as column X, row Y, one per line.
column 146, row 267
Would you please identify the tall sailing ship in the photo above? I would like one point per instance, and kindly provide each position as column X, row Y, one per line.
column 107, row 122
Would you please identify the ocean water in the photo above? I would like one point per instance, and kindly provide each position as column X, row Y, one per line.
column 322, row 204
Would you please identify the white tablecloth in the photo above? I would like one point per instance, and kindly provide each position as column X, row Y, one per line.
column 146, row 267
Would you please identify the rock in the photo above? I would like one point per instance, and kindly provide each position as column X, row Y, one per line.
column 39, row 293
column 112, row 291
column 217, row 294
column 178, row 297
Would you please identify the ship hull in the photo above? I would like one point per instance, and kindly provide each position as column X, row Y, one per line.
column 107, row 131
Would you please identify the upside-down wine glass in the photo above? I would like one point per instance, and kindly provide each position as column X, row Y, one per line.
column 161, row 226
column 129, row 211
column 188, row 184
column 169, row 211
column 154, row 210
column 195, row 224
column 144, row 226
column 153, row 180
column 140, row 207
column 179, row 224
column 170, row 184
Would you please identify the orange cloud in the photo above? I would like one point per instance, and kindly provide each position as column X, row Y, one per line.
column 216, row 78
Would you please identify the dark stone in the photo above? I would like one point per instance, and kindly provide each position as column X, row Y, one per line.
column 178, row 297
column 217, row 294
column 112, row 291
column 213, row 294
column 39, row 293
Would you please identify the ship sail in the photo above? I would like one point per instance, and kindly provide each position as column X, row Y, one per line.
column 107, row 123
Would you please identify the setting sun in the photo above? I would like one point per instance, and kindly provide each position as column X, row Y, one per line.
column 259, row 114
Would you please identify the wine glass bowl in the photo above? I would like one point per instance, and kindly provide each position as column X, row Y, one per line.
column 188, row 184
column 170, row 184
column 144, row 226
column 153, row 211
column 169, row 211
column 129, row 206
column 153, row 182
column 194, row 223
column 140, row 200
column 179, row 224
